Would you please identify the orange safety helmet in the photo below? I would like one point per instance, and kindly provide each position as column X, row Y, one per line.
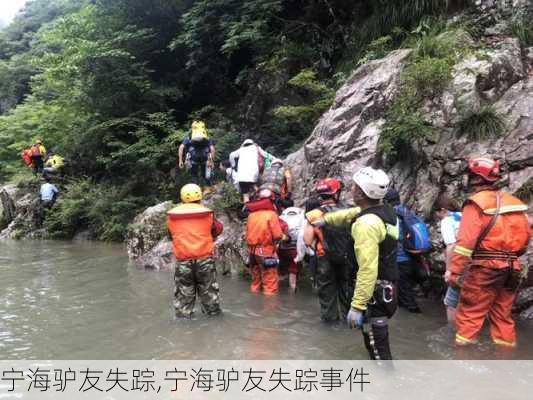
column 328, row 186
column 487, row 168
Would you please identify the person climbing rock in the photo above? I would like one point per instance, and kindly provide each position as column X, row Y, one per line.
column 48, row 193
column 248, row 161
column 448, row 213
column 334, row 269
column 374, row 230
column 193, row 228
column 54, row 163
column 26, row 158
column 38, row 154
column 278, row 179
column 197, row 154
column 230, row 175
column 287, row 251
column 412, row 244
column 493, row 234
column 263, row 232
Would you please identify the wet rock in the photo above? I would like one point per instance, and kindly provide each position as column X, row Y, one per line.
column 346, row 136
column 22, row 212
column 147, row 230
column 7, row 204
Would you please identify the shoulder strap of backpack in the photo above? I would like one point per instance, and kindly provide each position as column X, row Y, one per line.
column 490, row 225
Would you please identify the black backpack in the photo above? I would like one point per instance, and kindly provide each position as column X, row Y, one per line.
column 337, row 240
column 199, row 151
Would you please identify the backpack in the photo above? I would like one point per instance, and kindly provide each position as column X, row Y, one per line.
column 273, row 178
column 338, row 241
column 294, row 217
column 416, row 238
column 199, row 131
column 35, row 151
column 199, row 151
column 26, row 157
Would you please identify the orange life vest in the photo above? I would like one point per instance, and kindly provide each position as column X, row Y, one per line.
column 191, row 225
column 511, row 231
column 509, row 236
column 263, row 230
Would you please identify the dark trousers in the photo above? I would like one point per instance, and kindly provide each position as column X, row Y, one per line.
column 409, row 277
column 381, row 307
column 335, row 288
column 199, row 173
column 38, row 164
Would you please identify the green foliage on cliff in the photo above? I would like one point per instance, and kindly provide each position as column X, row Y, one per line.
column 483, row 124
column 436, row 48
column 114, row 84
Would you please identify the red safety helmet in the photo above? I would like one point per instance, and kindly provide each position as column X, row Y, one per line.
column 485, row 167
column 328, row 186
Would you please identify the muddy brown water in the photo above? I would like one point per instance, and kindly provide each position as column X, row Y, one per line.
column 85, row 300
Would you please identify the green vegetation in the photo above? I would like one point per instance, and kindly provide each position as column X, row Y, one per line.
column 525, row 192
column 436, row 48
column 112, row 85
column 230, row 198
column 486, row 123
column 522, row 28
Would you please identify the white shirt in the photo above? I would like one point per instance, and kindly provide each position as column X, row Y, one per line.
column 449, row 228
column 248, row 167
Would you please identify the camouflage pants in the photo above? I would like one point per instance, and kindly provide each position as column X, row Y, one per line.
column 196, row 277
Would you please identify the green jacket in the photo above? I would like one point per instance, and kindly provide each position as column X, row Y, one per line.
column 367, row 232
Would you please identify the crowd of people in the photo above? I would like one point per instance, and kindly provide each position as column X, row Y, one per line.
column 367, row 260
column 45, row 164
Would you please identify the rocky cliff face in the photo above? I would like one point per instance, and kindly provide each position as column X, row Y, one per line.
column 346, row 137
column 20, row 212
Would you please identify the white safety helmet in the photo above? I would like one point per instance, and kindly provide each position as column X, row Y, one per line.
column 277, row 161
column 247, row 142
column 373, row 182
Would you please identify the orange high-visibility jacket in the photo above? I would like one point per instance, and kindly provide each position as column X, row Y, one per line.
column 510, row 234
column 193, row 228
column 263, row 230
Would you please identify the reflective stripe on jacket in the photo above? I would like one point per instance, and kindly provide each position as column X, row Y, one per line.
column 192, row 227
column 509, row 234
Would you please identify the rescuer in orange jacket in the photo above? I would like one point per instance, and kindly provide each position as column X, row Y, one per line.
column 263, row 232
column 494, row 232
column 193, row 228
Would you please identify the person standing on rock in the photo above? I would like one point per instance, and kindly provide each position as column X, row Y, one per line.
column 38, row 154
column 248, row 161
column 374, row 230
column 197, row 154
column 493, row 234
column 194, row 228
column 448, row 213
column 334, row 269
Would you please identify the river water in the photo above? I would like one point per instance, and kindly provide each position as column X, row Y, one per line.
column 84, row 300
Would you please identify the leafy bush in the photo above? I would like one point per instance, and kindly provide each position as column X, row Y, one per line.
column 229, row 199
column 481, row 125
column 428, row 76
column 104, row 210
column 404, row 128
column 525, row 192
column 522, row 28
